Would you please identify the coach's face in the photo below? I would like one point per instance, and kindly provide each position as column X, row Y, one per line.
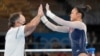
column 22, row 19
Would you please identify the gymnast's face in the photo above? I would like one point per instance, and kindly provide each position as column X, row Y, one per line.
column 74, row 14
column 21, row 20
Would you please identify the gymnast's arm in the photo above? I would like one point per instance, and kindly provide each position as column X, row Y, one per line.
column 60, row 21
column 54, row 27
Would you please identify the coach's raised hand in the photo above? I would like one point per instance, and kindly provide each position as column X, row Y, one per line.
column 40, row 10
column 31, row 26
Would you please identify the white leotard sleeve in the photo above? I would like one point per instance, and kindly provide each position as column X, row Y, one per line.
column 54, row 27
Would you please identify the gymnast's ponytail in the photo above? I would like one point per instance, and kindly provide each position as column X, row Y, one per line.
column 84, row 9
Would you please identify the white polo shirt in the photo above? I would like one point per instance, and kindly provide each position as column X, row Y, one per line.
column 15, row 42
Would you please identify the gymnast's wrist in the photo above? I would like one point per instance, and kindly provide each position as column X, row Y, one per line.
column 50, row 14
column 44, row 19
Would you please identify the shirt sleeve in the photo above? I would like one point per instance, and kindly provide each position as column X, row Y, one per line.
column 60, row 21
column 20, row 32
column 56, row 28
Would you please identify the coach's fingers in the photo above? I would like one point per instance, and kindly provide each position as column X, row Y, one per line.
column 40, row 10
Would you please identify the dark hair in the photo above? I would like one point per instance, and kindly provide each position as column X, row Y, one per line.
column 81, row 10
column 13, row 17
